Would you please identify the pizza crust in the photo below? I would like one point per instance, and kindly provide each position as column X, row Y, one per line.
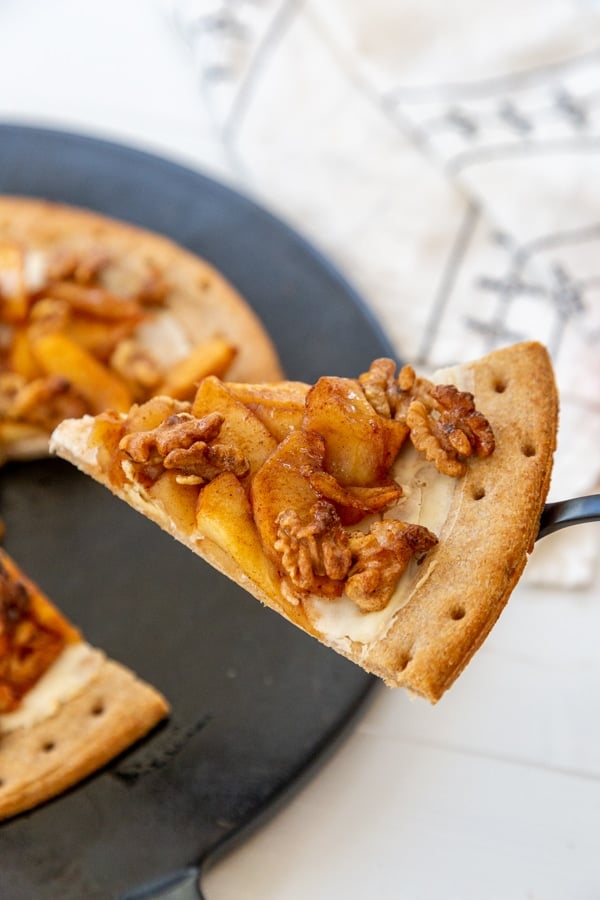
column 201, row 300
column 466, row 580
column 110, row 713
column 490, row 531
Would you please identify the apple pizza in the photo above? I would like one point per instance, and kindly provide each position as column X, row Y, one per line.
column 388, row 515
column 98, row 314
column 65, row 708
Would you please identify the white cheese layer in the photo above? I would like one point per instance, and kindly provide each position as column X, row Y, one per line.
column 31, row 277
column 164, row 338
column 428, row 498
column 35, row 267
column 77, row 665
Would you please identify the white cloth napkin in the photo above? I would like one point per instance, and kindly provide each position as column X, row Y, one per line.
column 447, row 158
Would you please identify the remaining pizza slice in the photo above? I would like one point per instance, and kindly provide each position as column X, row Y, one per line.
column 65, row 709
column 97, row 314
column 390, row 515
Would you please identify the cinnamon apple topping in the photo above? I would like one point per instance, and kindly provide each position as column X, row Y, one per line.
column 71, row 340
column 308, row 488
column 32, row 636
column 187, row 445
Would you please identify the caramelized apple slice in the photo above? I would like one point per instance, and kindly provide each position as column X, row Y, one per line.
column 283, row 482
column 354, row 503
column 212, row 357
column 177, row 500
column 22, row 360
column 240, row 428
column 280, row 407
column 153, row 412
column 56, row 354
column 360, row 444
column 224, row 515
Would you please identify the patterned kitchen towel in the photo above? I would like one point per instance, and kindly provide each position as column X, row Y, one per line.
column 449, row 162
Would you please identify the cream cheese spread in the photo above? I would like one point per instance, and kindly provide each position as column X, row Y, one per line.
column 428, row 498
column 77, row 665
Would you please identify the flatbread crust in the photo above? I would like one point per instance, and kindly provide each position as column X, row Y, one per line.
column 114, row 710
column 100, row 710
column 489, row 533
column 466, row 580
column 201, row 300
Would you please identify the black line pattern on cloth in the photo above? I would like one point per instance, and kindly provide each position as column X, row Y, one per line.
column 540, row 111
column 225, row 24
column 544, row 105
column 563, row 105
column 455, row 257
column 279, row 25
column 563, row 295
column 227, row 36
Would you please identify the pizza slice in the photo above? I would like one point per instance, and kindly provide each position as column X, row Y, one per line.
column 390, row 515
column 97, row 314
column 65, row 708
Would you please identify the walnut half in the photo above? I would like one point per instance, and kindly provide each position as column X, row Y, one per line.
column 447, row 428
column 442, row 421
column 380, row 558
column 312, row 550
column 187, row 444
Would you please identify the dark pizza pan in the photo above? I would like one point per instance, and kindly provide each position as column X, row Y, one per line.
column 256, row 703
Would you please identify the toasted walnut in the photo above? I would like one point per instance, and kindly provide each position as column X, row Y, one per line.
column 184, row 443
column 443, row 421
column 202, row 462
column 380, row 387
column 448, row 429
column 380, row 557
column 44, row 402
column 10, row 386
column 178, row 431
column 391, row 395
column 314, row 549
column 411, row 387
column 82, row 266
column 137, row 367
column 407, row 378
column 154, row 289
column 47, row 401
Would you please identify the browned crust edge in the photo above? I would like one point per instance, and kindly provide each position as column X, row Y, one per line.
column 493, row 525
column 112, row 711
column 467, row 579
column 203, row 301
column 70, row 440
